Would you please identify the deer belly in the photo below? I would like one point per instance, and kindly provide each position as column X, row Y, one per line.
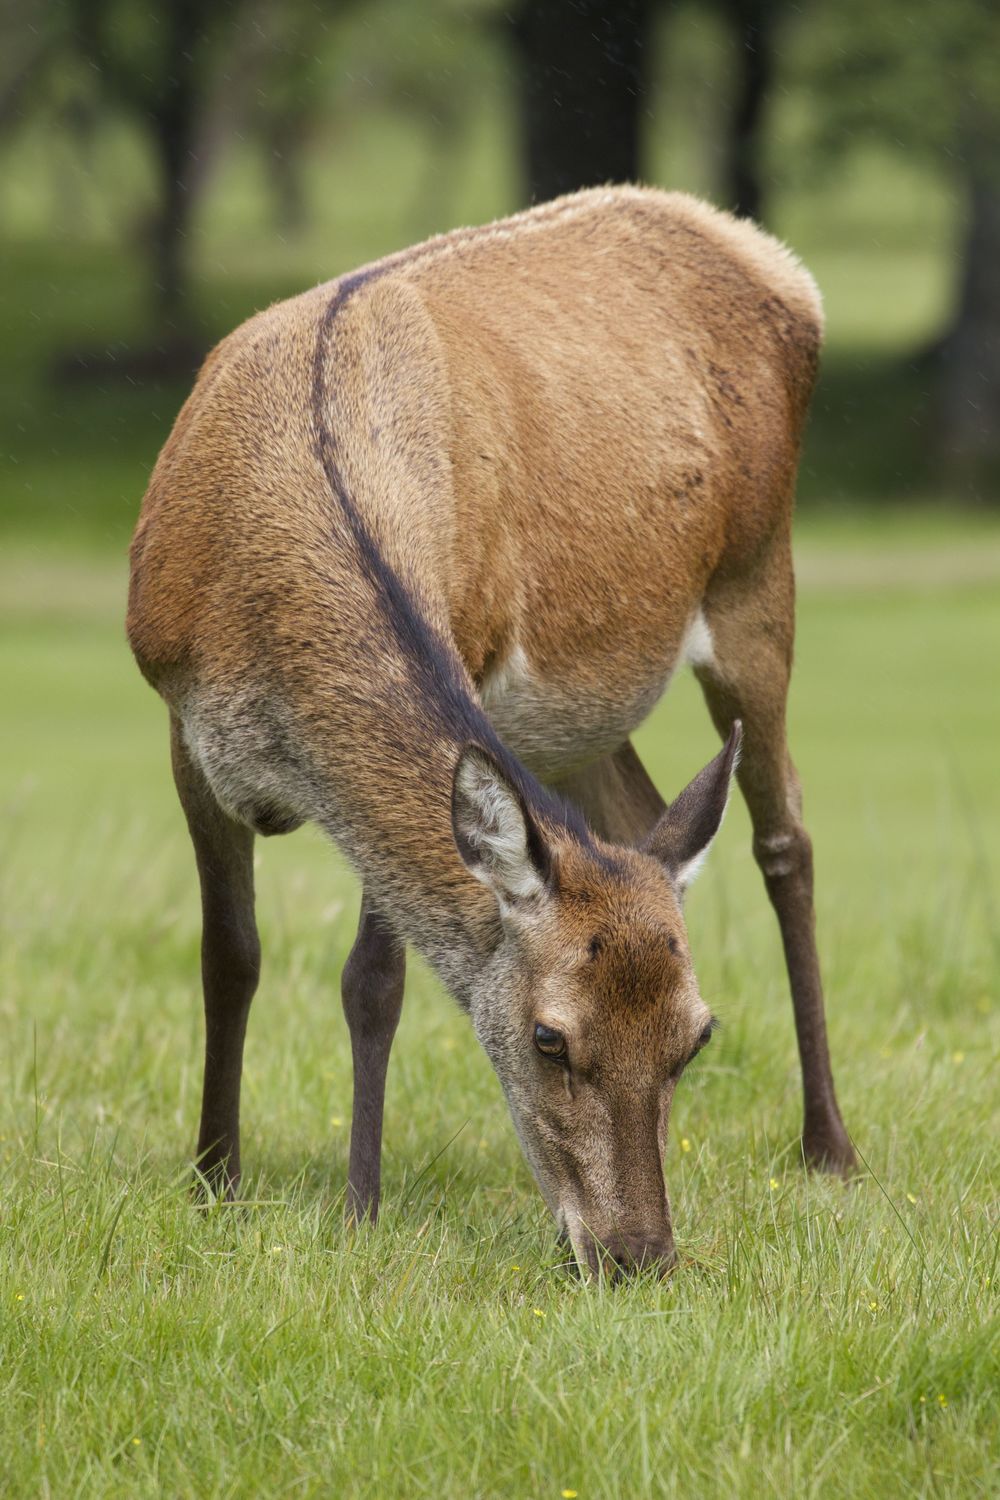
column 555, row 726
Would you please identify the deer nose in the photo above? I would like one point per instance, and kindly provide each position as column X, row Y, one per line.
column 625, row 1254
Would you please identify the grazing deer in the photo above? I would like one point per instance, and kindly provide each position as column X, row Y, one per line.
column 423, row 549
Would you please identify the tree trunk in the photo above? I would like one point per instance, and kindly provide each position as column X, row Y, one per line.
column 173, row 122
column 582, row 64
column 752, row 23
column 282, row 160
column 969, row 355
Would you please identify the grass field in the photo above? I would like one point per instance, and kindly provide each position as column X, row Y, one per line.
column 817, row 1341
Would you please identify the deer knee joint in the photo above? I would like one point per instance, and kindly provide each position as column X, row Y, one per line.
column 782, row 854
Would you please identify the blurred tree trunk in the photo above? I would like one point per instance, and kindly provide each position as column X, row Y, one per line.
column 173, row 119
column 752, row 22
column 164, row 87
column 22, row 77
column 969, row 353
column 582, row 64
column 284, row 138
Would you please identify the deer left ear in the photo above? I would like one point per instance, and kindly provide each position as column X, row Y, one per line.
column 496, row 834
column 682, row 837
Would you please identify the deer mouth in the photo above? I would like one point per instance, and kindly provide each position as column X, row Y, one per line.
column 616, row 1256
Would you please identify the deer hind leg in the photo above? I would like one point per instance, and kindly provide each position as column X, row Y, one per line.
column 744, row 673
column 372, row 991
column 616, row 796
column 230, row 962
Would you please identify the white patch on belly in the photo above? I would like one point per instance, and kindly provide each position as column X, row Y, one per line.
column 698, row 648
column 553, row 726
column 509, row 681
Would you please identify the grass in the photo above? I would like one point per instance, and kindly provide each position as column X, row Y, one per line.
column 818, row 1340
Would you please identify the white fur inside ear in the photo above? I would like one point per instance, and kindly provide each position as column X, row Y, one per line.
column 691, row 869
column 493, row 826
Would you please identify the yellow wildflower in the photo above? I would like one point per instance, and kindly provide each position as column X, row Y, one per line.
column 685, row 1144
column 774, row 1184
column 538, row 1312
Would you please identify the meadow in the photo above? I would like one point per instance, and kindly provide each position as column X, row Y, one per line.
column 817, row 1340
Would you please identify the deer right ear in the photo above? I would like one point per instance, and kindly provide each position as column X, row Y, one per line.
column 495, row 832
column 681, row 839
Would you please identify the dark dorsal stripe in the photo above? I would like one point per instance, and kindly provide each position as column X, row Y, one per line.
column 442, row 697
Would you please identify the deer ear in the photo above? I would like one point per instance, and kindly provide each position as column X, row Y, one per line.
column 496, row 834
column 682, row 837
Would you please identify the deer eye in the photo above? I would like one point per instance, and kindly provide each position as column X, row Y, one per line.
column 705, row 1038
column 550, row 1043
column 703, row 1041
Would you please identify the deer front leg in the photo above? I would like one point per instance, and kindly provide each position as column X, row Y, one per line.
column 372, row 992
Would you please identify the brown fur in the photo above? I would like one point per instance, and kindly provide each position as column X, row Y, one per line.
column 503, row 470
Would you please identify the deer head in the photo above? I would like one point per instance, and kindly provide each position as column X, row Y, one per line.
column 589, row 1008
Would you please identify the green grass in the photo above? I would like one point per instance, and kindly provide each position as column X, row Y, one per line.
column 818, row 1341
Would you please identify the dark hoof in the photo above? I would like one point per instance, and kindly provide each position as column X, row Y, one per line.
column 830, row 1151
column 360, row 1209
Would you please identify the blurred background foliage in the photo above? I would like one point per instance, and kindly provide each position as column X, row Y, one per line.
column 168, row 166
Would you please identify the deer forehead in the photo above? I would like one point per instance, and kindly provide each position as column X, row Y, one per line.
column 613, row 878
column 636, row 992
column 623, row 914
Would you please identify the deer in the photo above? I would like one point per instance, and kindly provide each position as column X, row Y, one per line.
column 425, row 546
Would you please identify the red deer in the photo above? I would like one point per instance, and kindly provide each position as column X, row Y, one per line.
column 423, row 549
